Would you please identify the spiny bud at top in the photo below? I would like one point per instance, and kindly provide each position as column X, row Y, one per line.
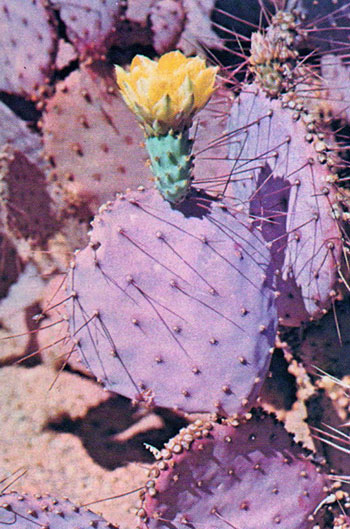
column 166, row 94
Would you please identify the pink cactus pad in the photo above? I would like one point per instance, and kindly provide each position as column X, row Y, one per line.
column 90, row 24
column 92, row 139
column 28, row 46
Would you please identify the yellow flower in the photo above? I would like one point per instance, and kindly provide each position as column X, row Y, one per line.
column 165, row 95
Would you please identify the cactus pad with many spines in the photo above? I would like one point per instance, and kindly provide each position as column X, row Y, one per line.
column 156, row 303
column 244, row 473
column 283, row 173
column 23, row 511
column 28, row 43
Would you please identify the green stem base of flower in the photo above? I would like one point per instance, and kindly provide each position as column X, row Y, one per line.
column 171, row 164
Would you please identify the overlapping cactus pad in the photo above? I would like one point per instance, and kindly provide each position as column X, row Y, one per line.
column 282, row 175
column 92, row 139
column 90, row 23
column 169, row 305
column 17, row 134
column 243, row 473
column 167, row 19
column 22, row 511
column 28, row 43
column 26, row 206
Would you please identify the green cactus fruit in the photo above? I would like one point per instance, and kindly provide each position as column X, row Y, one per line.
column 171, row 164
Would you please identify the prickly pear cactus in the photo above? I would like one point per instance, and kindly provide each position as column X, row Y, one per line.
column 24, row 511
column 172, row 329
column 243, row 473
column 283, row 174
column 26, row 69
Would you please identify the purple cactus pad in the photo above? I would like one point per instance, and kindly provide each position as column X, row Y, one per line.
column 17, row 134
column 28, row 46
column 282, row 174
column 242, row 474
column 22, row 511
column 169, row 305
column 90, row 24
column 92, row 139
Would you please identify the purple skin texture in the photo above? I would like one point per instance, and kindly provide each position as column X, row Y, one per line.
column 244, row 473
column 28, row 47
column 23, row 511
column 169, row 305
column 11, row 264
column 167, row 22
column 17, row 134
column 90, row 24
column 278, row 176
column 27, row 210
column 92, row 139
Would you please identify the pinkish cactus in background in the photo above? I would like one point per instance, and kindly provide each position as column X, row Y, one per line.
column 90, row 24
column 91, row 139
column 28, row 41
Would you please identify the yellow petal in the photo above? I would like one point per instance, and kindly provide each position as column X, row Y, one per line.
column 122, row 75
column 194, row 66
column 171, row 61
column 142, row 62
column 204, row 86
